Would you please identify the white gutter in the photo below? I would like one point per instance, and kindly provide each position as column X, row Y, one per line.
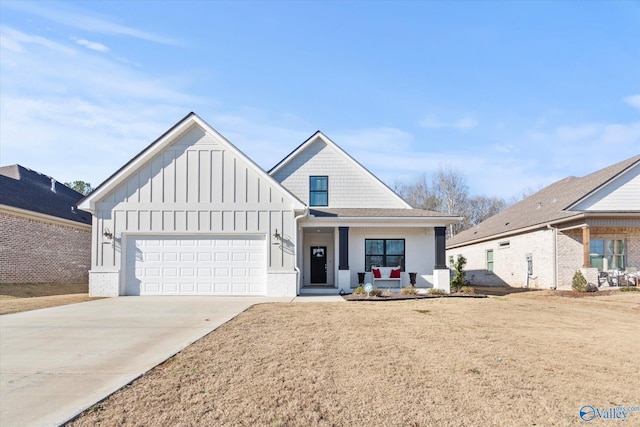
column 295, row 251
column 44, row 217
column 555, row 255
column 515, row 231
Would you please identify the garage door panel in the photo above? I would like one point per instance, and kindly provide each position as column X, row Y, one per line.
column 187, row 288
column 196, row 266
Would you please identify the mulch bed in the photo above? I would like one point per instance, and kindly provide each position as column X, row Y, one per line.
column 402, row 297
column 575, row 294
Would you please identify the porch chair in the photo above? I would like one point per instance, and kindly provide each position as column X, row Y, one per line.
column 631, row 276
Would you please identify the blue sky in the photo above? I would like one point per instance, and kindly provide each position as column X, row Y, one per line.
column 514, row 95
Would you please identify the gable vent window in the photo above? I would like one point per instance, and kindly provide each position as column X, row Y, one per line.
column 318, row 191
column 503, row 245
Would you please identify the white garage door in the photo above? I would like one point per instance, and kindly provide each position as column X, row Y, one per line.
column 196, row 266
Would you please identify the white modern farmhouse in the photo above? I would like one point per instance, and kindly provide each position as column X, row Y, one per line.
column 192, row 215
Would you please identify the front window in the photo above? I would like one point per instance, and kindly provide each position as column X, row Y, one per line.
column 383, row 253
column 490, row 260
column 318, row 191
column 607, row 254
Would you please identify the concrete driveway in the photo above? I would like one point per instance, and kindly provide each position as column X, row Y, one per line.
column 56, row 362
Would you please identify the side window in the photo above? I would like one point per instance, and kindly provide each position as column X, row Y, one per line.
column 318, row 191
column 490, row 260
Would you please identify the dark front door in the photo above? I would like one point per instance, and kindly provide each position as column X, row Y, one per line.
column 318, row 264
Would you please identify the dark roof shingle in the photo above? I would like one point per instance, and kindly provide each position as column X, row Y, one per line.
column 546, row 206
column 23, row 188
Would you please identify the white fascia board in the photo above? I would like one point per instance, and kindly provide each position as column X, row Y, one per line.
column 523, row 230
column 297, row 203
column 354, row 162
column 379, row 221
column 89, row 202
column 603, row 186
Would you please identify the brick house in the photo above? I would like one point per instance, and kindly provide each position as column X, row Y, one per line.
column 590, row 224
column 44, row 238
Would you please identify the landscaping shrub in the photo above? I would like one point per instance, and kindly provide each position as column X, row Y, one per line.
column 459, row 275
column 375, row 292
column 579, row 283
column 409, row 290
column 629, row 289
column 467, row 290
column 434, row 291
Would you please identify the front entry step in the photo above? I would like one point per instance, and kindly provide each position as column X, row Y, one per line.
column 319, row 290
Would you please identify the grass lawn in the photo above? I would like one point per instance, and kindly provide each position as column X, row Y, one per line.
column 15, row 298
column 521, row 359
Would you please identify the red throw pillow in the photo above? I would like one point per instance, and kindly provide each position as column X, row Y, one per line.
column 376, row 273
column 395, row 273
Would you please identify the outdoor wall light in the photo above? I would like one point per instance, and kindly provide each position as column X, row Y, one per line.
column 277, row 235
column 108, row 234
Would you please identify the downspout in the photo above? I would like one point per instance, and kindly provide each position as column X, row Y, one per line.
column 295, row 252
column 555, row 256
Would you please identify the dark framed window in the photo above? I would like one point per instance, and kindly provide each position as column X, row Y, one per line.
column 383, row 253
column 318, row 191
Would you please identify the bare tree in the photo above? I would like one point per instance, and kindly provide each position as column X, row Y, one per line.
column 449, row 193
column 480, row 208
column 452, row 192
column 419, row 194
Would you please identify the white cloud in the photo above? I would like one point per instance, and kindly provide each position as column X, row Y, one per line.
column 15, row 41
column 462, row 124
column 633, row 100
column 80, row 118
column 98, row 47
column 80, row 20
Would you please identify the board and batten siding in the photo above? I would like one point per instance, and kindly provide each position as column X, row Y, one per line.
column 349, row 186
column 194, row 186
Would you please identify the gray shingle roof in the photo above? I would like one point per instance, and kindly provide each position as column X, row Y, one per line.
column 26, row 189
column 376, row 212
column 546, row 206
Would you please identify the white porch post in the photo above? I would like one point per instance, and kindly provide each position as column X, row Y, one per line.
column 440, row 270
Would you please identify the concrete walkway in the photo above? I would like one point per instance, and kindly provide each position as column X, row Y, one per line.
column 56, row 362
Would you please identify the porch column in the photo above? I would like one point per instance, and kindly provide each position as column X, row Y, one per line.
column 344, row 274
column 441, row 253
column 343, row 261
column 586, row 243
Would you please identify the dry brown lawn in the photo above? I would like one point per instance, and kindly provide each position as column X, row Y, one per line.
column 521, row 359
column 15, row 298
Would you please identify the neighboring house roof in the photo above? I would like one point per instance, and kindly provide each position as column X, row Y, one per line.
column 167, row 138
column 319, row 135
column 548, row 206
column 29, row 190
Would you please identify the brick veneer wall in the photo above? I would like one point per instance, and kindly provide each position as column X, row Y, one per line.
column 509, row 263
column 570, row 249
column 38, row 251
